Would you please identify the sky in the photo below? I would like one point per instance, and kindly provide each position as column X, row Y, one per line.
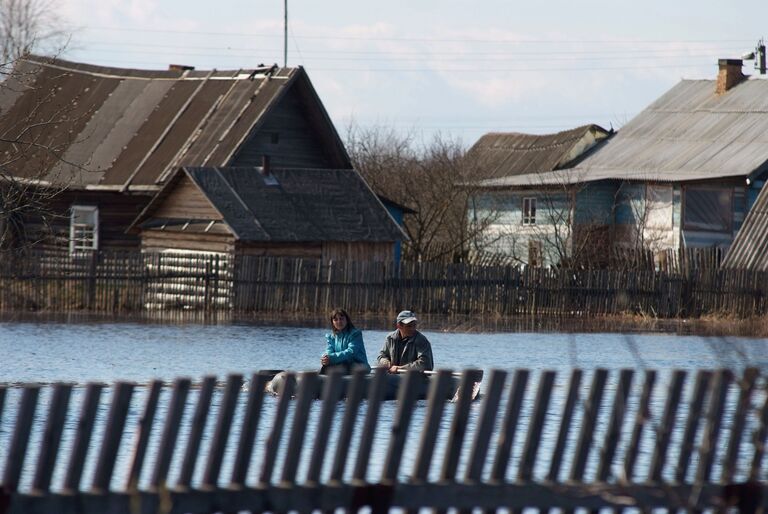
column 450, row 68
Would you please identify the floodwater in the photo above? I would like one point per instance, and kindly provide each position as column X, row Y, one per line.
column 82, row 352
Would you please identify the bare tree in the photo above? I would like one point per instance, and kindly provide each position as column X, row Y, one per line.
column 29, row 25
column 25, row 140
column 434, row 179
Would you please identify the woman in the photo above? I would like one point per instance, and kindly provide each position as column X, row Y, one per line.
column 344, row 345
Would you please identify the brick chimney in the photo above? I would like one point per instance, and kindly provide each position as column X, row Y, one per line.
column 729, row 75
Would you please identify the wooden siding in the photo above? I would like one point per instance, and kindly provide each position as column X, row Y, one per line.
column 304, row 250
column 116, row 212
column 298, row 144
column 186, row 201
column 158, row 240
column 507, row 235
column 376, row 252
column 594, row 203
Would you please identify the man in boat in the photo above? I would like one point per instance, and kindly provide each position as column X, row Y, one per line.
column 406, row 348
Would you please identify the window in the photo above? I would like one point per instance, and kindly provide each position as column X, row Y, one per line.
column 707, row 209
column 83, row 228
column 529, row 211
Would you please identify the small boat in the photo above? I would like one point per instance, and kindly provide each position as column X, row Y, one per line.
column 393, row 381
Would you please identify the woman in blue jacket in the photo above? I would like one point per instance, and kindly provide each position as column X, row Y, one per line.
column 344, row 345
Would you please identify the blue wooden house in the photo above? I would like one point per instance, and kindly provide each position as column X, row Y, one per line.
column 682, row 174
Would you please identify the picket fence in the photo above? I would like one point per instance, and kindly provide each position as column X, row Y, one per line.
column 704, row 450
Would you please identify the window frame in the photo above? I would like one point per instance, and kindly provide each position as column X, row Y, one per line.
column 80, row 240
column 529, row 210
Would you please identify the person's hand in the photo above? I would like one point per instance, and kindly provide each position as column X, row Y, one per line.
column 393, row 369
column 325, row 360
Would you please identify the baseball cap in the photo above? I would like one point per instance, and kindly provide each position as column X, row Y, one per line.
column 406, row 317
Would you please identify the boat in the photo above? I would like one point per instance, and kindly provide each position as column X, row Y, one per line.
column 393, row 381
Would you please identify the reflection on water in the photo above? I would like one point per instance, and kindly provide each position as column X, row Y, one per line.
column 83, row 352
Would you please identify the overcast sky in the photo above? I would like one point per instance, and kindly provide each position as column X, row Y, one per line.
column 461, row 68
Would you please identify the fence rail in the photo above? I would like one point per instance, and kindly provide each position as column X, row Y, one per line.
column 693, row 446
column 115, row 282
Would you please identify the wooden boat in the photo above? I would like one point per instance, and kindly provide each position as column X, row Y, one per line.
column 393, row 381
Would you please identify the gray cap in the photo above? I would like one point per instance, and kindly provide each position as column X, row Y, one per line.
column 406, row 317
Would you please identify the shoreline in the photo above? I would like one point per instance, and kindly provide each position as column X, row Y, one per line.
column 711, row 326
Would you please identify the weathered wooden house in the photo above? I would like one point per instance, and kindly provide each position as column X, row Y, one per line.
column 681, row 174
column 328, row 214
column 508, row 212
column 93, row 145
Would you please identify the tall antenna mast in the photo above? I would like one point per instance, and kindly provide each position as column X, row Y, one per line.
column 285, row 34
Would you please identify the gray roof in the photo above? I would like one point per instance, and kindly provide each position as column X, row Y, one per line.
column 503, row 154
column 689, row 133
column 290, row 205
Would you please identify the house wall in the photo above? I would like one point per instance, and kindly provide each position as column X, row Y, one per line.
column 186, row 201
column 289, row 136
column 696, row 238
column 353, row 251
column 505, row 233
column 116, row 212
column 154, row 240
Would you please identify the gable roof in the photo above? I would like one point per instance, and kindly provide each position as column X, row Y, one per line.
column 126, row 128
column 287, row 205
column 504, row 154
column 689, row 133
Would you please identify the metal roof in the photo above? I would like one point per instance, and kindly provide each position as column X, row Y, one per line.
column 121, row 128
column 290, row 205
column 689, row 133
column 503, row 154
column 749, row 249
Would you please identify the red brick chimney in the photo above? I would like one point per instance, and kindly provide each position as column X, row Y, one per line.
column 729, row 75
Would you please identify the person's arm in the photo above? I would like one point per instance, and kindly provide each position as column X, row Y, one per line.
column 424, row 361
column 384, row 359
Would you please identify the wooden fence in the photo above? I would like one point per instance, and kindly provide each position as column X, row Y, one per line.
column 698, row 445
column 115, row 282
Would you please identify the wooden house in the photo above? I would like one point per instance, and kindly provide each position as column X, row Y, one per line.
column 681, row 174
column 510, row 213
column 328, row 214
column 92, row 145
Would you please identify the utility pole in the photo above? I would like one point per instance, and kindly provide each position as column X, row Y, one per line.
column 285, row 34
column 760, row 56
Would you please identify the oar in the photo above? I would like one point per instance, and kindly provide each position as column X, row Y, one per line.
column 478, row 378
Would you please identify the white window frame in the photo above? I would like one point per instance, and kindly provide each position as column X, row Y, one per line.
column 529, row 210
column 83, row 236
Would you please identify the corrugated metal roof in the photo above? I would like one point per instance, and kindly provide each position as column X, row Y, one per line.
column 503, row 154
column 121, row 127
column 689, row 133
column 294, row 205
column 749, row 249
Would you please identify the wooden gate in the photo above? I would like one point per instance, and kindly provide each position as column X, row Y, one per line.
column 687, row 444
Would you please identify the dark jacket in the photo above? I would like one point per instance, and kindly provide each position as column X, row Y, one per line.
column 414, row 352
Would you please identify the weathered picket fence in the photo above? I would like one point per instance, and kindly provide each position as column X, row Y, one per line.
column 718, row 428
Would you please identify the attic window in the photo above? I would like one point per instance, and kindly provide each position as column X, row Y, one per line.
column 83, row 228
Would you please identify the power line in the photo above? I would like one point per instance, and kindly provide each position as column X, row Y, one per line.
column 621, row 52
column 448, row 40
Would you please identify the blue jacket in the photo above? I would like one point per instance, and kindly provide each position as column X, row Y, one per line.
column 346, row 346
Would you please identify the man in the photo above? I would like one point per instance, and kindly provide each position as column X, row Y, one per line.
column 406, row 348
